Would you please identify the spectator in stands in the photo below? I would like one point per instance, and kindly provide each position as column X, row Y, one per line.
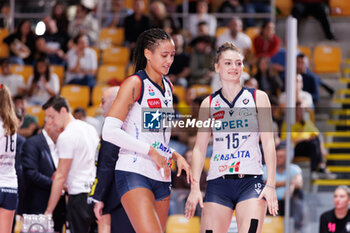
column 295, row 187
column 117, row 15
column 318, row 9
column 161, row 19
column 201, row 66
column 76, row 148
column 82, row 63
column 53, row 44
column 5, row 22
column 43, row 84
column 84, row 23
column 14, row 82
column 311, row 82
column 201, row 15
column 267, row 43
column 22, row 44
column 338, row 218
column 80, row 114
column 180, row 69
column 256, row 6
column 230, row 6
column 303, row 97
column 30, row 123
column 59, row 14
column 135, row 24
column 251, row 83
column 268, row 81
column 236, row 36
column 39, row 161
column 308, row 142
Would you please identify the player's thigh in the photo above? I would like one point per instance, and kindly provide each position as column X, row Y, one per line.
column 215, row 217
column 6, row 220
column 250, row 214
column 162, row 207
column 140, row 206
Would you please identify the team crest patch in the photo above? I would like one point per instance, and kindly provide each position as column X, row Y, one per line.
column 150, row 91
column 245, row 101
column 217, row 105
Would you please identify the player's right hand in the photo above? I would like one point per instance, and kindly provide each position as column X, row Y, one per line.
column 193, row 199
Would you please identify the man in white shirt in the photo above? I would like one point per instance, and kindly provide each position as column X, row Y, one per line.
column 236, row 36
column 76, row 147
column 14, row 82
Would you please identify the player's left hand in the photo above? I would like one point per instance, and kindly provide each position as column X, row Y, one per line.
column 269, row 194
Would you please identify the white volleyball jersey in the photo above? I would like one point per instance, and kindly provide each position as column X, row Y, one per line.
column 144, row 122
column 8, row 177
column 236, row 142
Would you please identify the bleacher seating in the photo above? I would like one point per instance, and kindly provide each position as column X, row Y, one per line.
column 38, row 112
column 77, row 96
column 25, row 70
column 110, row 73
column 326, row 59
column 273, row 224
column 116, row 55
column 110, row 37
column 97, row 94
column 340, row 7
column 284, row 7
column 59, row 70
column 4, row 50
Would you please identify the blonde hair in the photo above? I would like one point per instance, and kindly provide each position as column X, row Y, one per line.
column 224, row 47
column 7, row 111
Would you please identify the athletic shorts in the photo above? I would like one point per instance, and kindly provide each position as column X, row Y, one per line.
column 8, row 198
column 228, row 190
column 127, row 181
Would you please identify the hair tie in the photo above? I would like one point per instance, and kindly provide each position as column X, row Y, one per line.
column 220, row 48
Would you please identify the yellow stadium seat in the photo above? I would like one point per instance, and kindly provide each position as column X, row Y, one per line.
column 108, row 73
column 4, row 50
column 180, row 224
column 130, row 70
column 38, row 112
column 327, row 59
column 116, row 55
column 199, row 90
column 94, row 111
column 305, row 50
column 206, row 164
column 110, row 37
column 59, row 70
column 26, row 71
column 340, row 7
column 220, row 31
column 76, row 95
column 4, row 32
column 273, row 224
column 97, row 93
column 284, row 6
column 179, row 92
column 252, row 32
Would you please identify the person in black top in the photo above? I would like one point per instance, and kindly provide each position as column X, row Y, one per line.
column 337, row 220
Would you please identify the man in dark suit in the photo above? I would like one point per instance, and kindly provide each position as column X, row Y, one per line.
column 39, row 161
column 104, row 191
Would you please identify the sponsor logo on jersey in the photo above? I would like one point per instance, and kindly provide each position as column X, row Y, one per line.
column 150, row 91
column 160, row 146
column 234, row 167
column 246, row 101
column 154, row 103
column 219, row 115
column 166, row 102
column 234, row 124
column 219, row 139
column 244, row 112
column 151, row 119
column 217, row 105
column 237, row 155
column 222, row 168
column 258, row 188
column 231, row 112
